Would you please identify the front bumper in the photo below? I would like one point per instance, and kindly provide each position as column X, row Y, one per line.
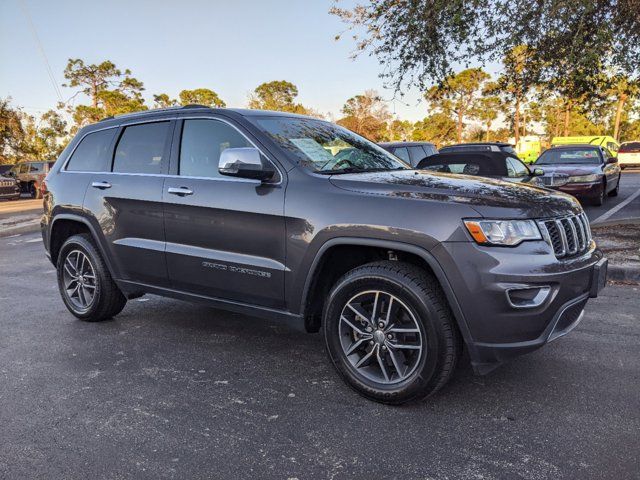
column 592, row 189
column 494, row 328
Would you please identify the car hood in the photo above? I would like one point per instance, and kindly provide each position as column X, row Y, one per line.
column 570, row 169
column 490, row 198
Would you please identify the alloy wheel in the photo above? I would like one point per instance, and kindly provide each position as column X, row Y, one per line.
column 380, row 337
column 79, row 280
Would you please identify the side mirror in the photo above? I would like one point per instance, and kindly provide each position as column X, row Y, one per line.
column 612, row 160
column 244, row 163
column 538, row 172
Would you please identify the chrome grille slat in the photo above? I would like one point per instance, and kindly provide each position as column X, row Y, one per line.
column 568, row 236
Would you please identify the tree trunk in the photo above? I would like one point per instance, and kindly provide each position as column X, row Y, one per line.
column 516, row 120
column 460, row 124
column 486, row 138
column 524, row 123
column 567, row 118
column 616, row 128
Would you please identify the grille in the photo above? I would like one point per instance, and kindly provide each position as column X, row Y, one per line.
column 555, row 179
column 6, row 183
column 569, row 236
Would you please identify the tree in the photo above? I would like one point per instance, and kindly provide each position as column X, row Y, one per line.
column 201, row 96
column 399, row 131
column 162, row 100
column 278, row 95
column 366, row 115
column 486, row 112
column 623, row 89
column 520, row 74
column 457, row 95
column 438, row 128
column 11, row 131
column 44, row 138
column 420, row 41
column 110, row 90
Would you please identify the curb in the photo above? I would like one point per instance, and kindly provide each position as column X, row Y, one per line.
column 620, row 273
column 30, row 227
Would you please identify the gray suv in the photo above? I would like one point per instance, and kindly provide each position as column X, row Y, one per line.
column 258, row 212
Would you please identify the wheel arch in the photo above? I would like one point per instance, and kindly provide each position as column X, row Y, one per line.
column 65, row 225
column 427, row 260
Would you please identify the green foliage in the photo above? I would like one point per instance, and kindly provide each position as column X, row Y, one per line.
column 438, row 128
column 572, row 43
column 110, row 90
column 457, row 95
column 11, row 131
column 399, row 131
column 43, row 139
column 278, row 95
column 162, row 100
column 366, row 115
column 201, row 96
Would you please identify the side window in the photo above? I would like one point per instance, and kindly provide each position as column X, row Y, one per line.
column 91, row 154
column 141, row 148
column 515, row 168
column 203, row 141
column 416, row 154
column 36, row 167
column 429, row 150
column 402, row 153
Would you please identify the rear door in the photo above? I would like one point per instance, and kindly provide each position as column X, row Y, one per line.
column 225, row 236
column 611, row 170
column 126, row 201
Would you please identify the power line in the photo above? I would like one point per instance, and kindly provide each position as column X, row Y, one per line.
column 25, row 10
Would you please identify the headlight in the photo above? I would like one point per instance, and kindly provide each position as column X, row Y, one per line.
column 502, row 232
column 594, row 177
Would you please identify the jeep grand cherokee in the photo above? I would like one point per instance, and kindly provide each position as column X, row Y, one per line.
column 257, row 212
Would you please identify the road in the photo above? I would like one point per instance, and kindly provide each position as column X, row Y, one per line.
column 629, row 186
column 174, row 390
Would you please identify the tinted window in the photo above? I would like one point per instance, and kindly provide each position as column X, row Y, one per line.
column 416, row 154
column 202, row 143
column 36, row 167
column 466, row 148
column 631, row 147
column 402, row 153
column 508, row 149
column 141, row 148
column 517, row 168
column 429, row 150
column 569, row 155
column 91, row 153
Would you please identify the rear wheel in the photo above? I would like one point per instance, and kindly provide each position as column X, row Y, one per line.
column 390, row 333
column 599, row 200
column 85, row 284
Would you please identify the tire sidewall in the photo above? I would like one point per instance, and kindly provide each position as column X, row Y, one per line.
column 82, row 244
column 424, row 313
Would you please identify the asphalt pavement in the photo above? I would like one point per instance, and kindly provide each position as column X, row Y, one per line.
column 180, row 391
column 625, row 206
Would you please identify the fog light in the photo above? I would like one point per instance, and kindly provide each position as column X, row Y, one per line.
column 527, row 297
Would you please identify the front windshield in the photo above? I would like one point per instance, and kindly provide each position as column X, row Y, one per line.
column 569, row 155
column 325, row 148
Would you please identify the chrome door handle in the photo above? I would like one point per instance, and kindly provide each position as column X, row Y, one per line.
column 181, row 191
column 101, row 185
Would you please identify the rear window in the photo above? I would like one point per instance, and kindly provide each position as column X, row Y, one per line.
column 91, row 154
column 141, row 148
column 631, row 147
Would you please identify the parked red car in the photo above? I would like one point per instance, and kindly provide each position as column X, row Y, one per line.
column 584, row 171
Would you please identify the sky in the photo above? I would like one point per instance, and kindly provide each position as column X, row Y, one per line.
column 227, row 46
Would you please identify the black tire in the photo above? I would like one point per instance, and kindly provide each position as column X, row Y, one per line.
column 108, row 300
column 615, row 191
column 418, row 292
column 599, row 200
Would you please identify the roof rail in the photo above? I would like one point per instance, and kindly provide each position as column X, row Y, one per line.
column 153, row 110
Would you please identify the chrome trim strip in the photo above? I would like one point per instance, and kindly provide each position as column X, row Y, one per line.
column 576, row 246
column 538, row 300
column 563, row 238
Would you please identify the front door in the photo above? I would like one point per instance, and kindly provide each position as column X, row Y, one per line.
column 127, row 202
column 225, row 236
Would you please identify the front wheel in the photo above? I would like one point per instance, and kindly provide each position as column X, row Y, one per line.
column 85, row 284
column 390, row 333
column 599, row 200
column 615, row 191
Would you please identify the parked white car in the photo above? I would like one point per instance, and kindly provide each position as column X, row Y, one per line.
column 629, row 154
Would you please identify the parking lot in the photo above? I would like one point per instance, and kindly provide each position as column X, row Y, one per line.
column 174, row 390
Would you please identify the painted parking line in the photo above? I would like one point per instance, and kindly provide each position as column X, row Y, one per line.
column 617, row 208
